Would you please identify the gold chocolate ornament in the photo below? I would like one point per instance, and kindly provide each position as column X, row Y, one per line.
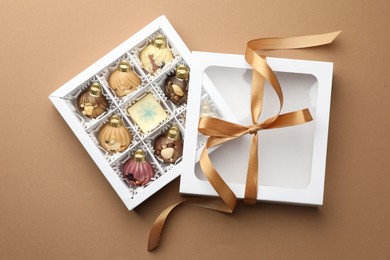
column 92, row 103
column 123, row 80
column 156, row 54
column 114, row 136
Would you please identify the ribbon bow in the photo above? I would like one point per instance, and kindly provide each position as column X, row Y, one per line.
column 220, row 131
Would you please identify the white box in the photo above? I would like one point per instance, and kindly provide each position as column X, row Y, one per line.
column 292, row 159
column 86, row 130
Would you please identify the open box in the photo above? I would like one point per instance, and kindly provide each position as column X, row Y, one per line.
column 87, row 130
column 292, row 159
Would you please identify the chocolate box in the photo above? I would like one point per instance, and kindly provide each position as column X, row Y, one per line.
column 150, row 89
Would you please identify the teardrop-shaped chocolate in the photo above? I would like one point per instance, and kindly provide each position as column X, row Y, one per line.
column 92, row 103
column 169, row 146
column 156, row 55
column 114, row 136
column 123, row 80
column 176, row 87
column 138, row 171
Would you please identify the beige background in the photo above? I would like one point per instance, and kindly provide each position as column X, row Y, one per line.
column 56, row 204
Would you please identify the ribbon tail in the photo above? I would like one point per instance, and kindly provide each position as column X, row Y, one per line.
column 155, row 232
column 158, row 225
column 252, row 175
column 225, row 204
column 295, row 42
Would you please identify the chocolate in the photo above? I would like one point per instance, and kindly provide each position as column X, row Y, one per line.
column 123, row 80
column 147, row 113
column 92, row 103
column 155, row 55
column 176, row 87
column 206, row 109
column 138, row 171
column 169, row 146
column 114, row 136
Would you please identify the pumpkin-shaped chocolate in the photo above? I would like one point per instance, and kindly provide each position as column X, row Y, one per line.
column 123, row 80
column 138, row 171
column 114, row 136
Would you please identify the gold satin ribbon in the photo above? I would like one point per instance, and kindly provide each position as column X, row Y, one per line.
column 220, row 131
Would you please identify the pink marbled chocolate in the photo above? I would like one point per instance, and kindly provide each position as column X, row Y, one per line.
column 138, row 173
